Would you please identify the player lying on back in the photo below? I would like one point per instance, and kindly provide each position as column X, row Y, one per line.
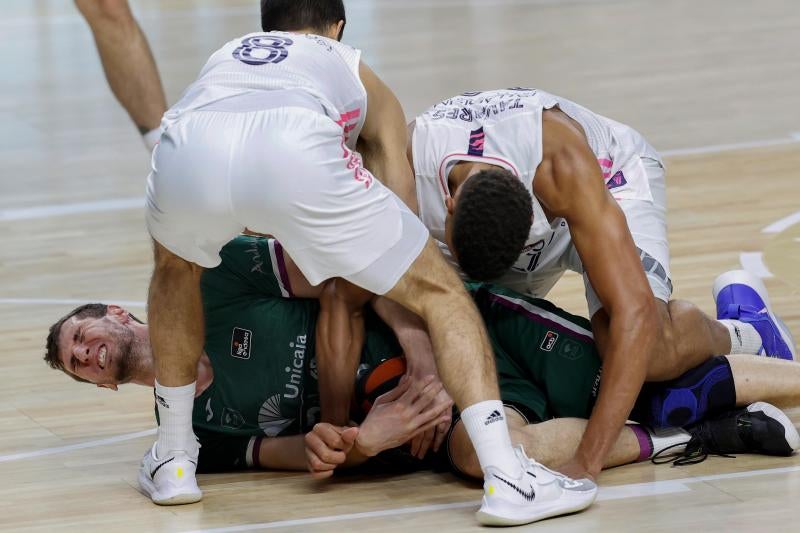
column 258, row 400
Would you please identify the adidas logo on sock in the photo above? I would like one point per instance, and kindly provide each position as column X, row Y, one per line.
column 493, row 417
column 738, row 335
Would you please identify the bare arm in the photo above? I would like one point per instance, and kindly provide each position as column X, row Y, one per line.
column 340, row 338
column 291, row 452
column 570, row 185
column 411, row 334
column 382, row 141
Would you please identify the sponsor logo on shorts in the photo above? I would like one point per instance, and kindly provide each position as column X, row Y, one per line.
column 241, row 343
column 617, row 180
column 549, row 341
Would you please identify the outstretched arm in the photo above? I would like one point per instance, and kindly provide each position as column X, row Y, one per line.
column 569, row 184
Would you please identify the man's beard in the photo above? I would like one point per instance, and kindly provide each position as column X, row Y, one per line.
column 126, row 360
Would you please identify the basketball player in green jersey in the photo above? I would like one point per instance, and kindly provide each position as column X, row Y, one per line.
column 257, row 392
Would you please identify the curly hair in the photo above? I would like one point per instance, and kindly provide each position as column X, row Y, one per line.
column 491, row 222
column 290, row 15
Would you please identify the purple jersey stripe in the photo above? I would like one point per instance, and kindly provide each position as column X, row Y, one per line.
column 284, row 275
column 476, row 140
column 541, row 318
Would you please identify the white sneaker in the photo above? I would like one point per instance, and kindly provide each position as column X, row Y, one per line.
column 169, row 480
column 540, row 493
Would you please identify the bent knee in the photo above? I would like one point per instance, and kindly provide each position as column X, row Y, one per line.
column 462, row 454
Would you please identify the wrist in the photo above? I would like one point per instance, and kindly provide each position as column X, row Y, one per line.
column 589, row 461
column 365, row 449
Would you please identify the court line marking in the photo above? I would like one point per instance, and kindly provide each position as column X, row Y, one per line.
column 46, row 211
column 67, row 301
column 782, row 224
column 618, row 492
column 793, row 138
column 753, row 262
column 120, row 204
column 144, row 14
column 77, row 446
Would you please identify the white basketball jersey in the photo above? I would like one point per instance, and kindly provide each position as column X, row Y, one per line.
column 504, row 128
column 283, row 65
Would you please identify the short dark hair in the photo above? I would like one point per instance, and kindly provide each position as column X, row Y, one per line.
column 491, row 223
column 290, row 15
column 93, row 310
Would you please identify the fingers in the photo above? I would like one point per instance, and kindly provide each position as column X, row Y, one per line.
column 423, row 391
column 326, row 448
column 425, row 438
column 349, row 437
column 330, row 435
column 432, row 412
column 395, row 393
column 431, row 424
column 415, row 445
column 441, row 432
column 429, row 392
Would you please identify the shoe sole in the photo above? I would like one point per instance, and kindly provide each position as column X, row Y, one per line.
column 501, row 517
column 149, row 488
column 743, row 277
column 790, row 432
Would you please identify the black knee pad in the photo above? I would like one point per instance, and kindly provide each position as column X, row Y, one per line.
column 701, row 392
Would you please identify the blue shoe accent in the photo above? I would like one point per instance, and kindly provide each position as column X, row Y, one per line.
column 742, row 296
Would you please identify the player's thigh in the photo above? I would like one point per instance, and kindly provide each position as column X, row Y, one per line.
column 301, row 184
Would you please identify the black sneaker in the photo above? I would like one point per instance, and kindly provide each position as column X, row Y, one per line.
column 758, row 428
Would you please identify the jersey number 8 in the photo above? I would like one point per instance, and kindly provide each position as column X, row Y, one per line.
column 262, row 49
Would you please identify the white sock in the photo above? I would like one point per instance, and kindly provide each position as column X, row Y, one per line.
column 652, row 442
column 665, row 437
column 175, row 418
column 487, row 429
column 151, row 138
column 744, row 337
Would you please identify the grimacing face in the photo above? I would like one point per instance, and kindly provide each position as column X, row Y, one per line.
column 98, row 350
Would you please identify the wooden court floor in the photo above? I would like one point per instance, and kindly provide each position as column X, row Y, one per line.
column 713, row 84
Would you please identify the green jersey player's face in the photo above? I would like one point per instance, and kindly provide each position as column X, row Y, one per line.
column 100, row 350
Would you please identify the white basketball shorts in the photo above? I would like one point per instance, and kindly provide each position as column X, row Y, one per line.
column 278, row 166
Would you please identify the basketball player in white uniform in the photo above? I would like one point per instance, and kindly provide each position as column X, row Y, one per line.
column 264, row 140
column 486, row 162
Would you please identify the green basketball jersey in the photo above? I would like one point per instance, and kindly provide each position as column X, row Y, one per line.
column 262, row 350
column 261, row 346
